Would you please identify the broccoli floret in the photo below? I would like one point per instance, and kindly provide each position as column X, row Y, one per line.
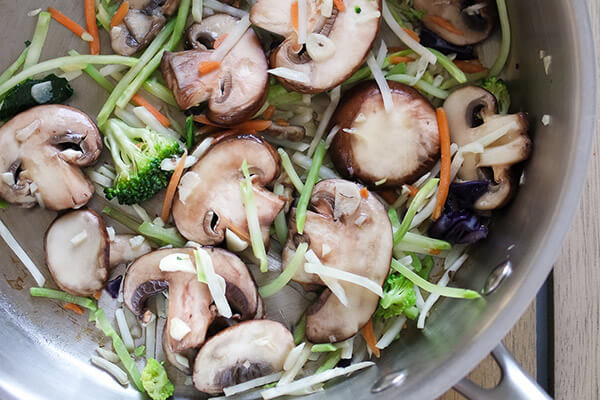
column 498, row 88
column 156, row 382
column 137, row 154
column 398, row 297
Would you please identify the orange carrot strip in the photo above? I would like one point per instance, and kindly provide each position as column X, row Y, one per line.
column 412, row 191
column 219, row 40
column 294, row 15
column 208, row 67
column 92, row 26
column 434, row 252
column 400, row 59
column 470, row 67
column 120, row 15
column 172, row 187
column 339, row 4
column 445, row 24
column 282, row 122
column 140, row 101
column 66, row 22
column 442, row 121
column 98, row 294
column 369, row 336
column 74, row 308
column 269, row 112
column 257, row 125
column 412, row 34
column 364, row 193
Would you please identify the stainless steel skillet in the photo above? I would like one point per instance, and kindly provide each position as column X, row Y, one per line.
column 44, row 352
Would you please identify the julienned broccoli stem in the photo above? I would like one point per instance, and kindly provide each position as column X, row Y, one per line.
column 137, row 154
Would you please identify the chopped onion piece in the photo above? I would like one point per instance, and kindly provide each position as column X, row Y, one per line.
column 124, row 329
column 216, row 283
column 288, row 73
column 79, row 238
column 108, row 355
column 114, row 370
column 347, row 347
column 390, row 333
column 381, row 53
column 225, row 8
column 325, row 249
column 179, row 329
column 234, row 242
column 170, row 164
column 150, row 338
column 332, row 134
column 334, row 96
column 309, row 381
column 319, row 47
column 384, row 88
column 8, row 178
column 202, row 148
column 232, row 38
column 291, row 373
column 71, row 75
column 182, row 360
column 24, row 133
column 35, row 12
column 177, row 262
column 188, row 184
column 326, row 8
column 323, row 270
column 546, row 120
column 136, row 241
column 331, row 283
column 21, row 254
column 293, row 356
column 251, row 384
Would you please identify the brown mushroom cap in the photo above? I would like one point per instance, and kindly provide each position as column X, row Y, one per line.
column 473, row 114
column 236, row 90
column 123, row 252
column 399, row 146
column 240, row 353
column 189, row 299
column 78, row 268
column 46, row 146
column 342, row 28
column 209, row 198
column 474, row 19
column 364, row 249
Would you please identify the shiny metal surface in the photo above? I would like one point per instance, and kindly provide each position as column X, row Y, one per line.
column 44, row 351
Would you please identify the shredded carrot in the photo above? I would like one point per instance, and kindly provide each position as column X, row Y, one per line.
column 434, row 252
column 269, row 112
column 400, row 59
column 172, row 187
column 140, row 101
column 442, row 121
column 219, row 40
column 92, row 26
column 282, row 122
column 470, row 67
column 412, row 34
column 74, row 308
column 445, row 24
column 339, row 4
column 369, row 336
column 98, row 294
column 120, row 15
column 67, row 22
column 389, row 196
column 208, row 67
column 294, row 15
column 412, row 191
column 257, row 125
column 364, row 193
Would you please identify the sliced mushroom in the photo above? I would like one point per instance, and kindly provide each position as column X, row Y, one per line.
column 240, row 353
column 350, row 233
column 209, row 198
column 337, row 53
column 127, row 248
column 77, row 252
column 472, row 20
column 41, row 152
column 384, row 149
column 143, row 22
column 175, row 358
column 472, row 115
column 190, row 301
column 236, row 90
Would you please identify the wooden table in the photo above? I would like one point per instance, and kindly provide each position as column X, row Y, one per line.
column 573, row 348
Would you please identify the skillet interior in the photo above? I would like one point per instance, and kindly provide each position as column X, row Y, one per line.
column 44, row 351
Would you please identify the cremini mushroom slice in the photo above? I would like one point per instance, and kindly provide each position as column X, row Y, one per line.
column 41, row 153
column 473, row 117
column 240, row 353
column 209, row 198
column 126, row 248
column 332, row 52
column 384, row 149
column 457, row 21
column 191, row 309
column 358, row 241
column 140, row 26
column 236, row 90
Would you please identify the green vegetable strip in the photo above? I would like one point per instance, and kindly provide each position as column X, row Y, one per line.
column 189, row 131
column 201, row 276
column 161, row 235
column 95, row 74
column 103, row 17
column 433, row 288
column 286, row 275
column 426, row 87
column 401, row 53
column 10, row 71
column 280, row 224
column 412, row 209
column 151, row 66
column 105, row 326
column 300, row 330
column 62, row 296
column 323, row 348
column 139, row 351
column 3, row 205
column 452, row 83
column 425, row 242
column 160, row 91
column 64, row 62
column 416, row 262
column 449, row 66
column 331, row 361
column 258, row 246
column 39, row 38
column 311, row 179
column 122, row 218
column 124, row 83
column 427, row 267
column 395, row 221
column 289, row 170
column 197, row 10
column 505, row 46
column 279, row 96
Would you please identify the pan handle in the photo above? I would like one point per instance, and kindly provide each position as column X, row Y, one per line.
column 515, row 384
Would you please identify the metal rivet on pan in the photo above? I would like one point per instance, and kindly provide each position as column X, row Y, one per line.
column 498, row 275
column 388, row 381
